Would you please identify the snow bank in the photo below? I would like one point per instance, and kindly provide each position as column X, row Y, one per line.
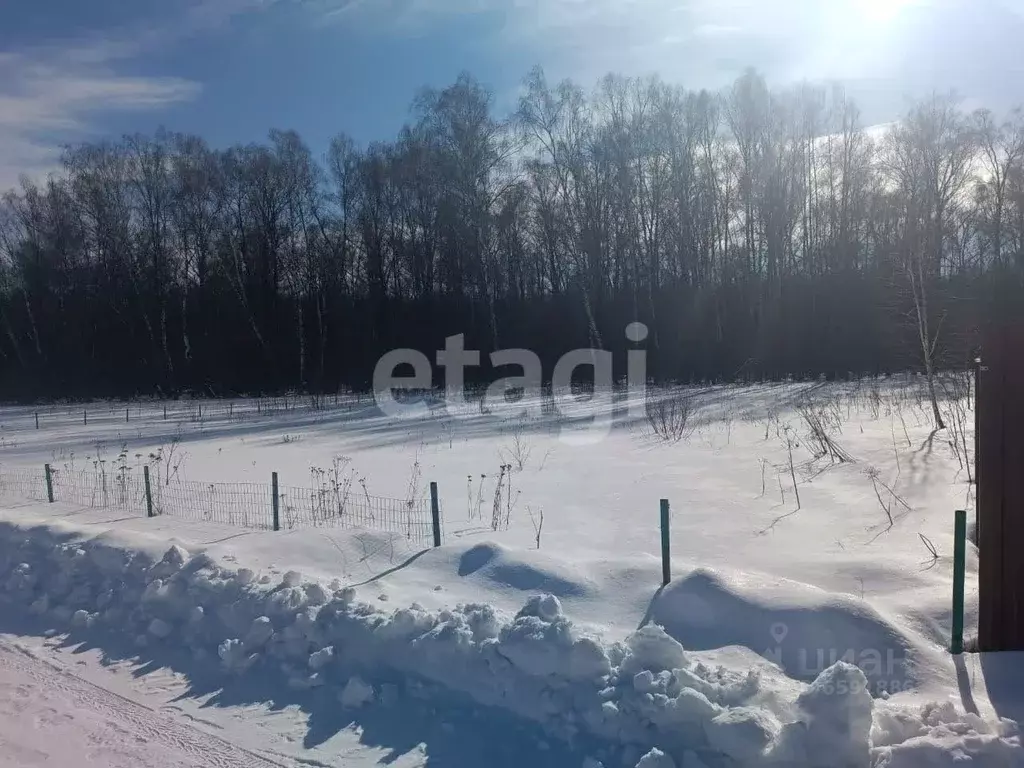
column 639, row 702
column 801, row 628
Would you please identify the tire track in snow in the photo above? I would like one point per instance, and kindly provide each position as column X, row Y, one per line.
column 35, row 691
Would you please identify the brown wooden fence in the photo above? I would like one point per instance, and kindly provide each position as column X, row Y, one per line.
column 1000, row 471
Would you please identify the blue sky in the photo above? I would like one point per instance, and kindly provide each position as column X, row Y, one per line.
column 230, row 70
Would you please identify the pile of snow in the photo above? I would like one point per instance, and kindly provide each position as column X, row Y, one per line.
column 639, row 702
column 793, row 624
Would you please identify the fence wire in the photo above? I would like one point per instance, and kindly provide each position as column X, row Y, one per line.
column 22, row 484
column 243, row 505
column 190, row 411
column 98, row 489
column 330, row 507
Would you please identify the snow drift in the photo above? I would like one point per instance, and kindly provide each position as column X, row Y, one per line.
column 800, row 628
column 643, row 701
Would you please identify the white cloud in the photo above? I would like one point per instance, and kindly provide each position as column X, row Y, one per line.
column 887, row 51
column 47, row 99
column 51, row 92
column 702, row 43
column 706, row 43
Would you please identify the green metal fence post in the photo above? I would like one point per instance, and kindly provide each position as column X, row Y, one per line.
column 276, row 501
column 666, row 553
column 435, row 514
column 49, row 484
column 149, row 492
column 959, row 567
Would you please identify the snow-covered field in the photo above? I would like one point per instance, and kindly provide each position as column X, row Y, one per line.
column 807, row 622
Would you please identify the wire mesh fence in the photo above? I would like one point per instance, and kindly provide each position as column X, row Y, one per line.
column 22, row 484
column 97, row 489
column 331, row 507
column 185, row 411
column 243, row 505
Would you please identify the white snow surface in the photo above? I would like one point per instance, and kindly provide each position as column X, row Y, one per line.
column 806, row 636
column 51, row 717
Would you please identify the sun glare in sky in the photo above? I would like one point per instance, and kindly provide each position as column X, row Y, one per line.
column 859, row 38
column 880, row 11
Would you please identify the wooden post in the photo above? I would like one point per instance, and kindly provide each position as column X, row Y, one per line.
column 276, row 501
column 978, row 369
column 1001, row 495
column 49, row 484
column 126, row 414
column 37, row 419
column 85, row 417
column 666, row 549
column 149, row 492
column 165, row 412
column 956, row 645
column 435, row 514
column 977, row 436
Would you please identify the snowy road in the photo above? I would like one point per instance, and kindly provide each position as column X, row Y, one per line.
column 51, row 717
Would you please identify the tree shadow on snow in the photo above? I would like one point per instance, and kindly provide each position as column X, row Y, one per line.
column 364, row 426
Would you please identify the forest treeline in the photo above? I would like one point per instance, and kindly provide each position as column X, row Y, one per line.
column 759, row 233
